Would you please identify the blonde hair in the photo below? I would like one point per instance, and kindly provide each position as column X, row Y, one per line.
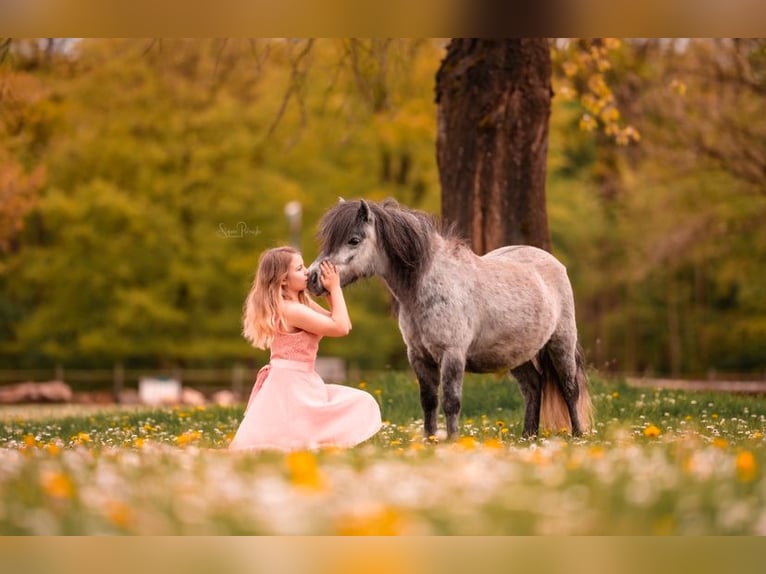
column 262, row 315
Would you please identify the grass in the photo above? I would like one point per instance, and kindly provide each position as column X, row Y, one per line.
column 658, row 462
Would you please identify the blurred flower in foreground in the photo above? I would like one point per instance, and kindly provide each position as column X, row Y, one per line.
column 746, row 466
column 652, row 431
column 304, row 470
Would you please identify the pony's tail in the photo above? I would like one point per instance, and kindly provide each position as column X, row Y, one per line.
column 554, row 413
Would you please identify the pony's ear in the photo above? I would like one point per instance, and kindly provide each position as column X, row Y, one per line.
column 363, row 215
column 341, row 200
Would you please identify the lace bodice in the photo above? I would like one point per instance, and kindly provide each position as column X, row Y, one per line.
column 299, row 346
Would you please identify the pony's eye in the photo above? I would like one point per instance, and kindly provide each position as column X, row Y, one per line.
column 353, row 241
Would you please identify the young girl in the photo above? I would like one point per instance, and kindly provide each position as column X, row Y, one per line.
column 291, row 407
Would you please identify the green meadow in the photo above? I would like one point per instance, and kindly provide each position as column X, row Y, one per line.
column 658, row 462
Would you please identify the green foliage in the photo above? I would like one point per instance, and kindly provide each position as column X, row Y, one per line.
column 661, row 238
column 170, row 176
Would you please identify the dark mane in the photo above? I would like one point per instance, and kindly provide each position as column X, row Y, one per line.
column 406, row 236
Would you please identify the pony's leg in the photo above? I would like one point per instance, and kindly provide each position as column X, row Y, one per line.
column 428, row 379
column 563, row 358
column 452, row 370
column 531, row 383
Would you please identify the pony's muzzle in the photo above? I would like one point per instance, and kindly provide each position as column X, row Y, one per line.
column 314, row 285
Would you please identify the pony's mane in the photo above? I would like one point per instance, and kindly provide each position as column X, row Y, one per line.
column 406, row 235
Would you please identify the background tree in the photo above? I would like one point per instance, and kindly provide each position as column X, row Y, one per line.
column 494, row 103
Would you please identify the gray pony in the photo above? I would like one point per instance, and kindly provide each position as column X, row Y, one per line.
column 511, row 309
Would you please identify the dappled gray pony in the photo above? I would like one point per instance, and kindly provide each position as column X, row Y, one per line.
column 512, row 309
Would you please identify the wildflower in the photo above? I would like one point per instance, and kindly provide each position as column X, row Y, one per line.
column 467, row 442
column 57, row 485
column 29, row 440
column 652, row 431
column 304, row 470
column 492, row 443
column 746, row 466
column 615, row 395
column 53, row 449
column 187, row 437
column 720, row 443
column 80, row 438
column 362, row 384
column 119, row 514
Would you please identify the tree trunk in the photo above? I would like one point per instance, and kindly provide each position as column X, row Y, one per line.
column 494, row 103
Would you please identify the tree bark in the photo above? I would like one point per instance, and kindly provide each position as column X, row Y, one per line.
column 494, row 102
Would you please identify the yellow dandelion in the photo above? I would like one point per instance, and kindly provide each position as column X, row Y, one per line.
column 395, row 442
column 188, row 437
column 500, row 424
column 720, row 443
column 119, row 514
column 714, row 416
column 57, row 485
column 467, row 442
column 615, row 395
column 139, row 442
column 746, row 466
column 362, row 384
column 304, row 470
column 757, row 435
column 652, row 431
column 378, row 392
column 504, row 430
column 29, row 440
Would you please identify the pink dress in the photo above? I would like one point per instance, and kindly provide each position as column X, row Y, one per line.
column 292, row 408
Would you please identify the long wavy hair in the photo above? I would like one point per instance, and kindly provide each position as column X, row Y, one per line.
column 262, row 315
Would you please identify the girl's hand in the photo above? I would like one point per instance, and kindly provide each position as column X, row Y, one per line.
column 328, row 275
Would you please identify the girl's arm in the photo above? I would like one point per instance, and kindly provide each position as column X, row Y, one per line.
column 318, row 308
column 336, row 322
